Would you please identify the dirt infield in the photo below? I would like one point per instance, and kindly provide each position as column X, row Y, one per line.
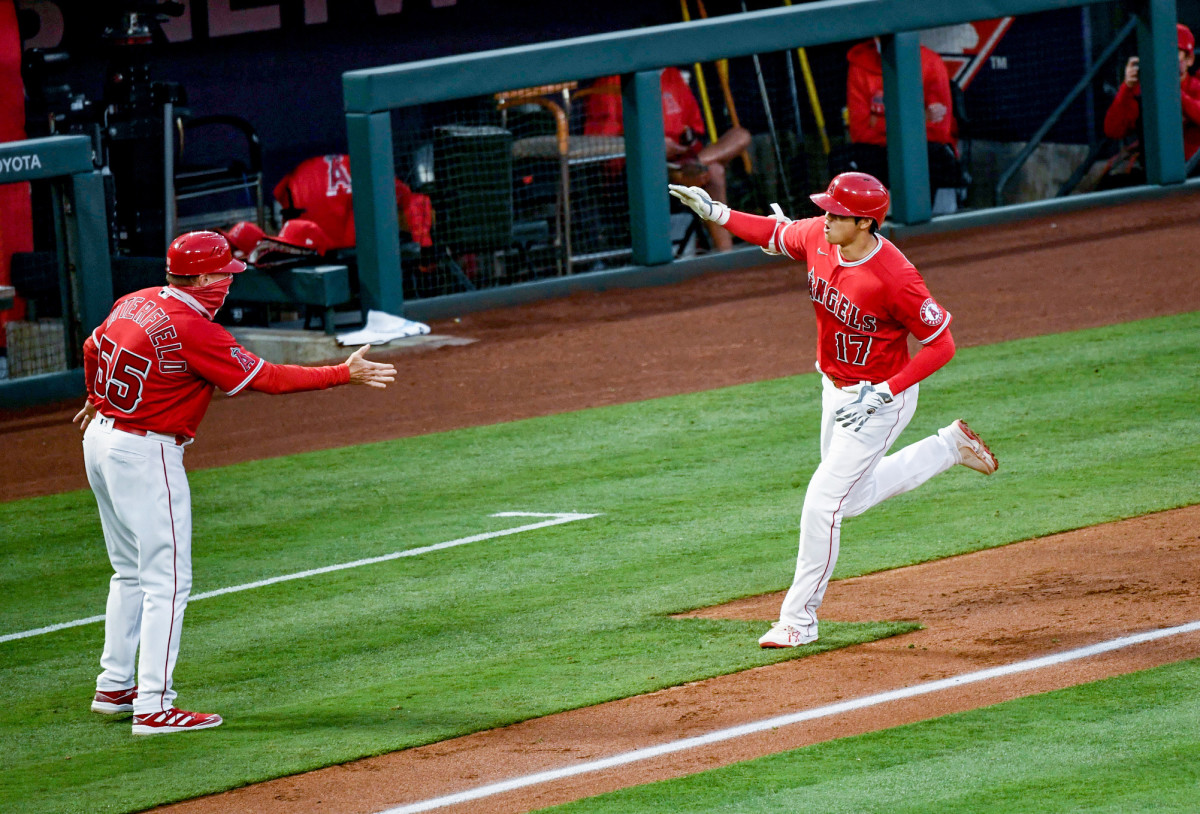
column 1042, row 276
column 980, row 610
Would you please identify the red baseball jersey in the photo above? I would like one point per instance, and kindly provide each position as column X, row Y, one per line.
column 605, row 117
column 154, row 361
column 865, row 309
column 321, row 187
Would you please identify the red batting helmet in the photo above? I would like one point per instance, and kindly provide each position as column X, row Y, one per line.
column 201, row 253
column 855, row 195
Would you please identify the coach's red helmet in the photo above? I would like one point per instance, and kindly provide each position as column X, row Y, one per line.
column 201, row 253
column 855, row 195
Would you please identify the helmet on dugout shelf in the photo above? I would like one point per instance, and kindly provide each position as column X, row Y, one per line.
column 855, row 195
column 197, row 253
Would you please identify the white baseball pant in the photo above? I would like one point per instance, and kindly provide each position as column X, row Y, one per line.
column 853, row 476
column 145, row 507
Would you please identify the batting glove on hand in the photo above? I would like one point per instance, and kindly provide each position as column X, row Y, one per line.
column 697, row 200
column 870, row 398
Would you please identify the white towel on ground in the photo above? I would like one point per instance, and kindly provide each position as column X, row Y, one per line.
column 382, row 327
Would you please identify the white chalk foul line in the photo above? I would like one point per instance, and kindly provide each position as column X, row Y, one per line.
column 553, row 519
column 793, row 718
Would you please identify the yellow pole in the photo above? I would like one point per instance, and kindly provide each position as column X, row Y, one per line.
column 813, row 100
column 812, row 94
column 709, row 122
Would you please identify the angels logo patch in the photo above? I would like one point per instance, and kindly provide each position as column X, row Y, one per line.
column 243, row 358
column 932, row 313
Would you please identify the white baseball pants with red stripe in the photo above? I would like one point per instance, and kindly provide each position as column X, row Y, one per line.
column 146, row 513
column 855, row 474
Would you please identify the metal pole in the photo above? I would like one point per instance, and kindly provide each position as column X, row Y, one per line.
column 762, row 89
column 171, row 220
column 1037, row 137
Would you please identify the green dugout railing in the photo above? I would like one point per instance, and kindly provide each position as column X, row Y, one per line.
column 638, row 55
column 85, row 271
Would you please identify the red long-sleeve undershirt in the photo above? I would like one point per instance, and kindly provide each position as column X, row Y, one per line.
column 278, row 379
column 91, row 362
column 931, row 358
column 754, row 229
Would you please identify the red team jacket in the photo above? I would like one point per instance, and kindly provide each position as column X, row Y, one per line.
column 604, row 116
column 866, row 309
column 1122, row 116
column 864, row 96
column 153, row 363
column 320, row 186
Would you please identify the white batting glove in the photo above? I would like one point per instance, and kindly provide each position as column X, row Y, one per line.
column 697, row 200
column 870, row 398
column 783, row 220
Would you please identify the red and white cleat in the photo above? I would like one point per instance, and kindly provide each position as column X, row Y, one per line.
column 173, row 720
column 972, row 452
column 114, row 702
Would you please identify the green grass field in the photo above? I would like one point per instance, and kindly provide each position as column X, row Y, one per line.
column 1127, row 744
column 697, row 500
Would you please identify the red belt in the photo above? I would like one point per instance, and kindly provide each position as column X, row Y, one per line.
column 180, row 439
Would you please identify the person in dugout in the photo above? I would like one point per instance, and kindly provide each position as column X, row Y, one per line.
column 1124, row 115
column 691, row 159
column 866, row 119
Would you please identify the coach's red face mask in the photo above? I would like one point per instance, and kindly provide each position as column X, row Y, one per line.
column 211, row 296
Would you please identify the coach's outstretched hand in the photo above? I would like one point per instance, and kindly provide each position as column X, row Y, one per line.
column 697, row 200
column 372, row 374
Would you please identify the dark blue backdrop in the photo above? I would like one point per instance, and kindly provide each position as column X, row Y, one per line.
column 287, row 81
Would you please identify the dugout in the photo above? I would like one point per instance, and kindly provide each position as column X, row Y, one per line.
column 440, row 86
column 373, row 95
column 81, row 273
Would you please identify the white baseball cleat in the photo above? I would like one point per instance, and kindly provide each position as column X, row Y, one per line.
column 173, row 720
column 972, row 452
column 783, row 635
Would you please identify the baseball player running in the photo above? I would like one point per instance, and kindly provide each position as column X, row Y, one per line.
column 868, row 298
column 150, row 368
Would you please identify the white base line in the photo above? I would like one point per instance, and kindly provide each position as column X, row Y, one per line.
column 793, row 718
column 556, row 519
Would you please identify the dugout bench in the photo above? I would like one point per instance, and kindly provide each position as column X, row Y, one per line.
column 317, row 288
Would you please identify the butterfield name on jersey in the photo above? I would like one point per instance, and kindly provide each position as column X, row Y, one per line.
column 156, row 322
column 838, row 304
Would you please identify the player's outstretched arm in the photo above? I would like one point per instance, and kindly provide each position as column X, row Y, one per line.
column 756, row 229
column 364, row 371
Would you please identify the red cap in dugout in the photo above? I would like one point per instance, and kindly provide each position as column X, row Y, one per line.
column 201, row 253
column 855, row 195
column 306, row 234
column 243, row 236
column 1187, row 42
